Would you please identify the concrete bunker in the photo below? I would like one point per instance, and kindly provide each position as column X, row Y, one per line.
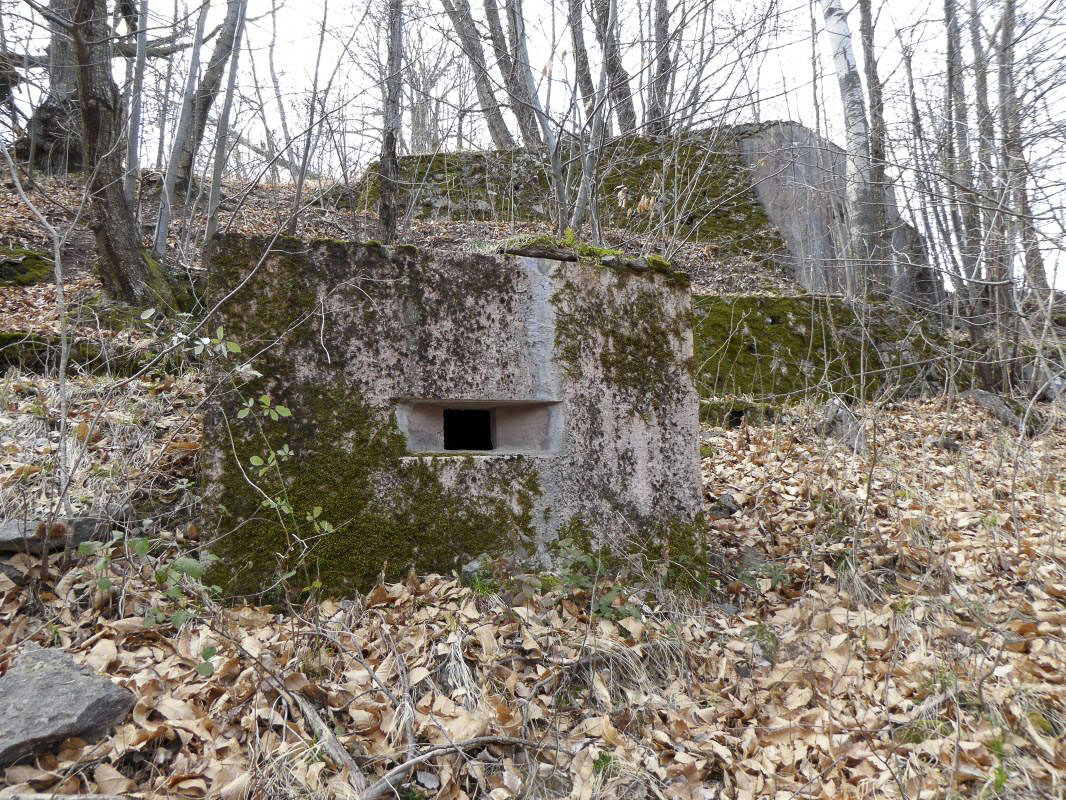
column 442, row 405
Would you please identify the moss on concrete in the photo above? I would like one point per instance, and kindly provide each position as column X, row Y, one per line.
column 23, row 267
column 695, row 186
column 783, row 348
column 388, row 510
column 635, row 341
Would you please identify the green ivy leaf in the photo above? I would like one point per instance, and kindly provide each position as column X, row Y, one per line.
column 140, row 546
column 187, row 566
column 209, row 652
column 179, row 618
column 103, row 584
column 88, row 548
column 205, row 669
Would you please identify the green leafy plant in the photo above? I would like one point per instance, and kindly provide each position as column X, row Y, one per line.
column 205, row 669
column 602, row 762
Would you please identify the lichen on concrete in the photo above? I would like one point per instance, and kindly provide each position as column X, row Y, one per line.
column 635, row 339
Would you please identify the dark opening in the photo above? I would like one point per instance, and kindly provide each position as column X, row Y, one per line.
column 467, row 429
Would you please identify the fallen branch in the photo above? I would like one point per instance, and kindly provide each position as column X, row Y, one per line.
column 330, row 744
column 385, row 784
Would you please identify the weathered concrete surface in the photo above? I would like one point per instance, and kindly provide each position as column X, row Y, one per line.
column 766, row 192
column 800, row 181
column 582, row 371
column 46, row 697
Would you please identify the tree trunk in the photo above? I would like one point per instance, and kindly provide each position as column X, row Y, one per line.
column 463, row 22
column 222, row 137
column 181, row 134
column 986, row 133
column 581, row 55
column 657, row 118
column 507, row 59
column 124, row 269
column 388, row 166
column 857, row 134
column 52, row 139
column 961, row 163
column 618, row 90
column 895, row 275
column 133, row 140
column 205, row 94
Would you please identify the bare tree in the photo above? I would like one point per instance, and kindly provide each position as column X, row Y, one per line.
column 575, row 19
column 857, row 134
column 657, row 115
column 290, row 228
column 507, row 60
column 222, row 136
column 621, row 94
column 388, row 166
column 133, row 137
column 463, row 23
column 125, row 269
column 206, row 91
column 181, row 135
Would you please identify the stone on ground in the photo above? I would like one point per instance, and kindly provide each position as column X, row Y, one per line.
column 46, row 697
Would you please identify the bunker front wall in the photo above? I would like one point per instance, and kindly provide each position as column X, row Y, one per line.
column 580, row 373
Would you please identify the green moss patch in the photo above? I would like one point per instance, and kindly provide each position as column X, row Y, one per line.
column 325, row 494
column 39, row 352
column 782, row 349
column 349, row 503
column 694, row 186
column 635, row 341
column 22, row 267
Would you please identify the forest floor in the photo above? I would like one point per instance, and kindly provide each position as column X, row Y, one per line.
column 879, row 625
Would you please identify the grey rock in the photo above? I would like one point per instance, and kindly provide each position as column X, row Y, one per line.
column 20, row 536
column 723, row 506
column 45, row 697
column 471, row 569
column 1045, row 381
column 839, row 422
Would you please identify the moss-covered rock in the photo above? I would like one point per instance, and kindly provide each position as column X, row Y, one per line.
column 39, row 352
column 22, row 267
